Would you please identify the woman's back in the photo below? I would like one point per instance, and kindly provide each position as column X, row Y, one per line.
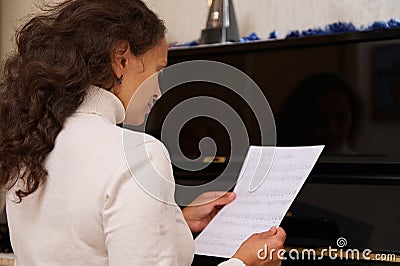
column 91, row 210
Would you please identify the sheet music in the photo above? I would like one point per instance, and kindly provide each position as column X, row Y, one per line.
column 269, row 181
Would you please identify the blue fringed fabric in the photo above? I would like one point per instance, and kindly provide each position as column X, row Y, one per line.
column 342, row 27
column 250, row 38
column 273, row 35
column 188, row 44
column 334, row 28
column 393, row 23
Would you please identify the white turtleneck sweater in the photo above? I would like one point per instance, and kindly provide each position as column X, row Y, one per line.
column 91, row 210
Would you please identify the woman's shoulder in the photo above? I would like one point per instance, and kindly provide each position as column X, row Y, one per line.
column 145, row 167
column 132, row 139
column 140, row 147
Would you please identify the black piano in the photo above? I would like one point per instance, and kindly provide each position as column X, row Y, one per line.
column 342, row 91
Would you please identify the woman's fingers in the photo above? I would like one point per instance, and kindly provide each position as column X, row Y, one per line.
column 281, row 234
column 215, row 197
column 271, row 232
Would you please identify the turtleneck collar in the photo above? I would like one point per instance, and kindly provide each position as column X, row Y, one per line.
column 103, row 103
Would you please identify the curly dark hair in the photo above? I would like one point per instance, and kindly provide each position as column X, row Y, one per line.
column 59, row 54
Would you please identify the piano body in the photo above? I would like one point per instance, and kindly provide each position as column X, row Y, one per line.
column 340, row 90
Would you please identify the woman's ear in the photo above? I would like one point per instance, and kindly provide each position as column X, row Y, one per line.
column 119, row 56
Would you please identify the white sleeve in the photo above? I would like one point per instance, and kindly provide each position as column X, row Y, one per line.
column 140, row 229
column 232, row 262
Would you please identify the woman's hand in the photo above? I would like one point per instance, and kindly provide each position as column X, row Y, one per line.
column 203, row 209
column 262, row 248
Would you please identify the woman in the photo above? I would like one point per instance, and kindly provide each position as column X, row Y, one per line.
column 72, row 198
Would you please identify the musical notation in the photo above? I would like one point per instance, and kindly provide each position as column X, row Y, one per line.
column 279, row 173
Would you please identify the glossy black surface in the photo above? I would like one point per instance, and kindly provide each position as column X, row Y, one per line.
column 342, row 91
